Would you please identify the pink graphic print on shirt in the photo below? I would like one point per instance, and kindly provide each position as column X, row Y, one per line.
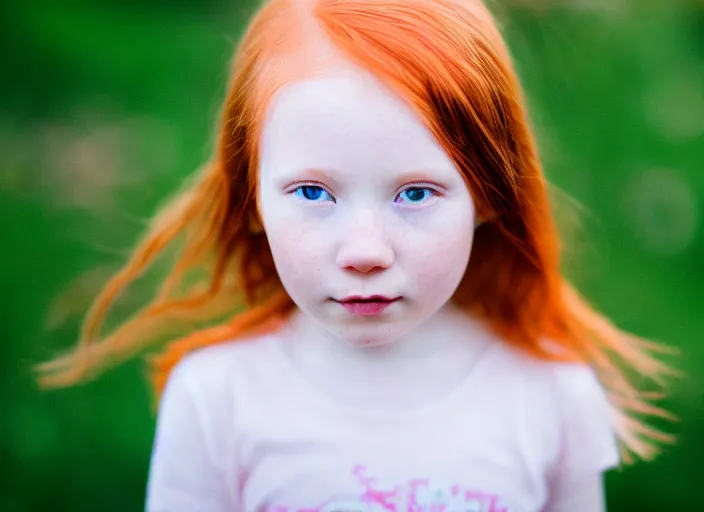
column 416, row 495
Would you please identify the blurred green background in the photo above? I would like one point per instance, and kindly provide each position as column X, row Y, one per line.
column 106, row 106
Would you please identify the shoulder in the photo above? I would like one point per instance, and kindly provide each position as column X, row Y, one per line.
column 561, row 382
column 195, row 443
column 568, row 408
column 203, row 396
column 216, row 370
column 561, row 394
column 217, row 361
column 574, row 383
column 571, row 397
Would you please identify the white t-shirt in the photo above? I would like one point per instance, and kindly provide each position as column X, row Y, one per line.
column 240, row 429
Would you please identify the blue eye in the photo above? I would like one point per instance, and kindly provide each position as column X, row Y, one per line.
column 415, row 195
column 312, row 193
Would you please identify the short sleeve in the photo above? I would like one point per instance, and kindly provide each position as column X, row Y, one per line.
column 588, row 442
column 184, row 473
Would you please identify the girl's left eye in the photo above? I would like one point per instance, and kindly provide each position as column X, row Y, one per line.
column 415, row 195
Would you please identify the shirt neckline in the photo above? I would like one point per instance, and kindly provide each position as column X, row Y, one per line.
column 314, row 393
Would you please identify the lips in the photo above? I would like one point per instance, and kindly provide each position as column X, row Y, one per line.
column 367, row 306
column 370, row 298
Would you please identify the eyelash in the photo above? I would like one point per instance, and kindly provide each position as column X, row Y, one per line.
column 416, row 186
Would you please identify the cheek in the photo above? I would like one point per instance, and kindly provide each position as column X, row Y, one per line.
column 297, row 255
column 441, row 260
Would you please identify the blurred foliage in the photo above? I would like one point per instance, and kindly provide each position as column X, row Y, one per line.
column 107, row 106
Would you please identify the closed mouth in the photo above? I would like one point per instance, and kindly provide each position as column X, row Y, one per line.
column 373, row 298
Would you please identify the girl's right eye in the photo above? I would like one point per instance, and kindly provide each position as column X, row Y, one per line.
column 312, row 193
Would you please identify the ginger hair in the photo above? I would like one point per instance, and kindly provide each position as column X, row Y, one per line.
column 448, row 60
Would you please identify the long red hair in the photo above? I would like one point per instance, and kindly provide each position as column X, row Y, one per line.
column 448, row 60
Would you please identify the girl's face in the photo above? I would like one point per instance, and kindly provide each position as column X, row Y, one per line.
column 359, row 201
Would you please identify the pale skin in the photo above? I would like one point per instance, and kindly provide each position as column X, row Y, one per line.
column 358, row 198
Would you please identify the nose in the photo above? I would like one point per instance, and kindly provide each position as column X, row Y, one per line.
column 365, row 245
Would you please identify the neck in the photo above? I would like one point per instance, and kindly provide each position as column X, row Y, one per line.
column 442, row 351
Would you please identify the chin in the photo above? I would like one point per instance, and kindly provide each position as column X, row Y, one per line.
column 371, row 342
column 370, row 339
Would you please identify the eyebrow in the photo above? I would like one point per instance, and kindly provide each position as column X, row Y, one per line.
column 309, row 173
column 423, row 176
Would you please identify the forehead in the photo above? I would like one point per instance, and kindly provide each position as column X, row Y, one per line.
column 346, row 118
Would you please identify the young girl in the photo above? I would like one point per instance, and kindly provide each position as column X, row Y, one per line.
column 408, row 344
